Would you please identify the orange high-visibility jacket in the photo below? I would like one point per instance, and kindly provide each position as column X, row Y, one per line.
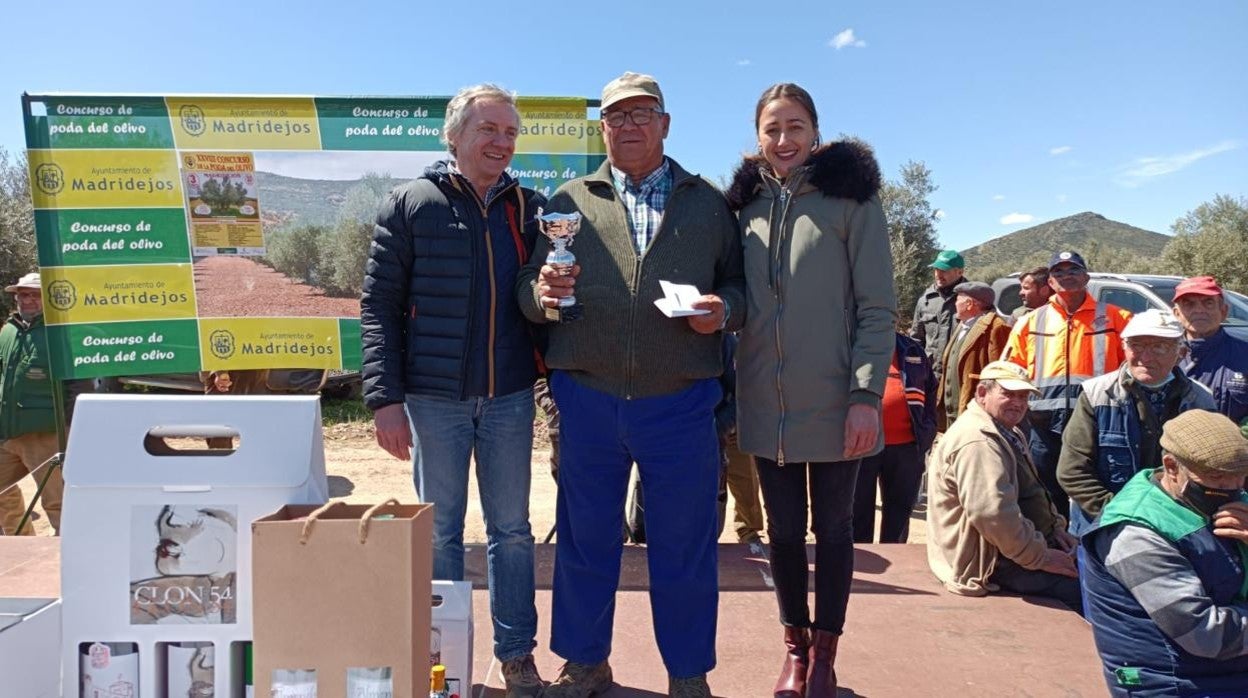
column 1060, row 351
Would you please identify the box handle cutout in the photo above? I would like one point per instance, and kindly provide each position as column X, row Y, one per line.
column 192, row 440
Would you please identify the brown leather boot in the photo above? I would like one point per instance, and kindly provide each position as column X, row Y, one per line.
column 821, row 681
column 792, row 681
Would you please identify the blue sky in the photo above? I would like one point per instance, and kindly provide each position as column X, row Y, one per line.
column 1024, row 112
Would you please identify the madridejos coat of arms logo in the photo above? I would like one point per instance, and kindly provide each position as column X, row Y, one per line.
column 192, row 119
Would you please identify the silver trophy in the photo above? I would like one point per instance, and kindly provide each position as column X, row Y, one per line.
column 560, row 229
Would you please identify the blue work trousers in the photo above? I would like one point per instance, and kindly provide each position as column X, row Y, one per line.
column 672, row 439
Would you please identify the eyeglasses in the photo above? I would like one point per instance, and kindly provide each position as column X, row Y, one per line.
column 1065, row 271
column 640, row 116
column 1152, row 347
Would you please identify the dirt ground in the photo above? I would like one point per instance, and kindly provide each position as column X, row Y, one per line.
column 361, row 473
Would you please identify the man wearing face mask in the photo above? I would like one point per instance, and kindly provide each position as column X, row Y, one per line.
column 1115, row 429
column 1164, row 568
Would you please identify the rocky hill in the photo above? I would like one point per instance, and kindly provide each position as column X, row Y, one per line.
column 1089, row 233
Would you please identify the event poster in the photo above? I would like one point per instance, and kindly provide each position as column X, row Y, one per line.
column 223, row 202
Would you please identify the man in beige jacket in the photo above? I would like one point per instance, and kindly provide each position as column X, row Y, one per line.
column 991, row 523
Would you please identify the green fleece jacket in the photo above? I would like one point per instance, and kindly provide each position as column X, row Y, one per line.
column 25, row 379
column 623, row 345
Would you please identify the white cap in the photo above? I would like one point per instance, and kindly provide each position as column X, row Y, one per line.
column 1153, row 323
column 30, row 281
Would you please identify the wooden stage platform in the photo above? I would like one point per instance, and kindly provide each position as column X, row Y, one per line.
column 905, row 635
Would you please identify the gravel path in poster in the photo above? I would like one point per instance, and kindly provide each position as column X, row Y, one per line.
column 243, row 287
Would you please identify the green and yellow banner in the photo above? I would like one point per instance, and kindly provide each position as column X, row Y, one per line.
column 189, row 233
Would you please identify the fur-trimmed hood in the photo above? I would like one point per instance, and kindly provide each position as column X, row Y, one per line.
column 844, row 169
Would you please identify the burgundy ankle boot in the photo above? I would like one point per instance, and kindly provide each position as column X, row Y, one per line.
column 792, row 681
column 821, row 681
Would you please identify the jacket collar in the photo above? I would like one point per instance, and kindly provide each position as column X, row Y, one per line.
column 845, row 170
column 601, row 177
column 1089, row 305
column 1213, row 342
column 15, row 319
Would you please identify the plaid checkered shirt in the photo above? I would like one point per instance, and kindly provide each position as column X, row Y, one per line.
column 644, row 202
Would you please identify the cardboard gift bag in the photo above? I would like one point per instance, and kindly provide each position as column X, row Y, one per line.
column 342, row 589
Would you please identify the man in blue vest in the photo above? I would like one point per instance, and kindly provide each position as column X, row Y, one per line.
column 1114, row 431
column 1163, row 569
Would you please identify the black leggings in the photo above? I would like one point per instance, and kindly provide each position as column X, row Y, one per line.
column 831, row 503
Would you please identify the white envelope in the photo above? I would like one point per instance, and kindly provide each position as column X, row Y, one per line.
column 677, row 299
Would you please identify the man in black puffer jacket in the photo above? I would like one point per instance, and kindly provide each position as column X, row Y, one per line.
column 443, row 336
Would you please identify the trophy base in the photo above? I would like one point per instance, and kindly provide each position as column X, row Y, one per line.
column 571, row 313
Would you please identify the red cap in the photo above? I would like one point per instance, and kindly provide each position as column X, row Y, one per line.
column 1197, row 286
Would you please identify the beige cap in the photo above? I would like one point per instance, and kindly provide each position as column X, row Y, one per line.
column 1008, row 375
column 631, row 85
column 1153, row 323
column 1206, row 440
column 31, row 280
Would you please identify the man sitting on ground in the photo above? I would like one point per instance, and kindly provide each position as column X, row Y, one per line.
column 991, row 523
column 1164, row 568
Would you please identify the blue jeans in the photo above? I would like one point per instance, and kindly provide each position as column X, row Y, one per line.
column 499, row 431
column 673, row 440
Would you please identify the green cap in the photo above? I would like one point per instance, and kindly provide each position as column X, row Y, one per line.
column 948, row 259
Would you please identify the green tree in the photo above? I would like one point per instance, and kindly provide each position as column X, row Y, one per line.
column 1212, row 239
column 348, row 242
column 213, row 194
column 911, row 232
column 298, row 252
column 17, row 221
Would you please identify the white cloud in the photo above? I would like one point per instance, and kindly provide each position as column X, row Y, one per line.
column 1060, row 150
column 1016, row 218
column 939, row 214
column 846, row 39
column 998, row 197
column 745, row 61
column 1143, row 169
column 1061, row 198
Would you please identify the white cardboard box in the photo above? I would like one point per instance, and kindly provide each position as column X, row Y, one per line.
column 30, row 640
column 452, row 624
column 156, row 548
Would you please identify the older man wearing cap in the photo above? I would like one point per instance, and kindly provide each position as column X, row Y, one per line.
column 27, row 419
column 991, row 524
column 1164, row 568
column 979, row 338
column 634, row 385
column 1214, row 357
column 1115, row 430
column 1062, row 344
column 934, row 313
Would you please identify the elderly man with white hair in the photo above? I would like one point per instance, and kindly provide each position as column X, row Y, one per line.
column 448, row 361
column 1115, row 429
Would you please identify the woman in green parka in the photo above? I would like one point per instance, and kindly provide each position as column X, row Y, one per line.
column 813, row 360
